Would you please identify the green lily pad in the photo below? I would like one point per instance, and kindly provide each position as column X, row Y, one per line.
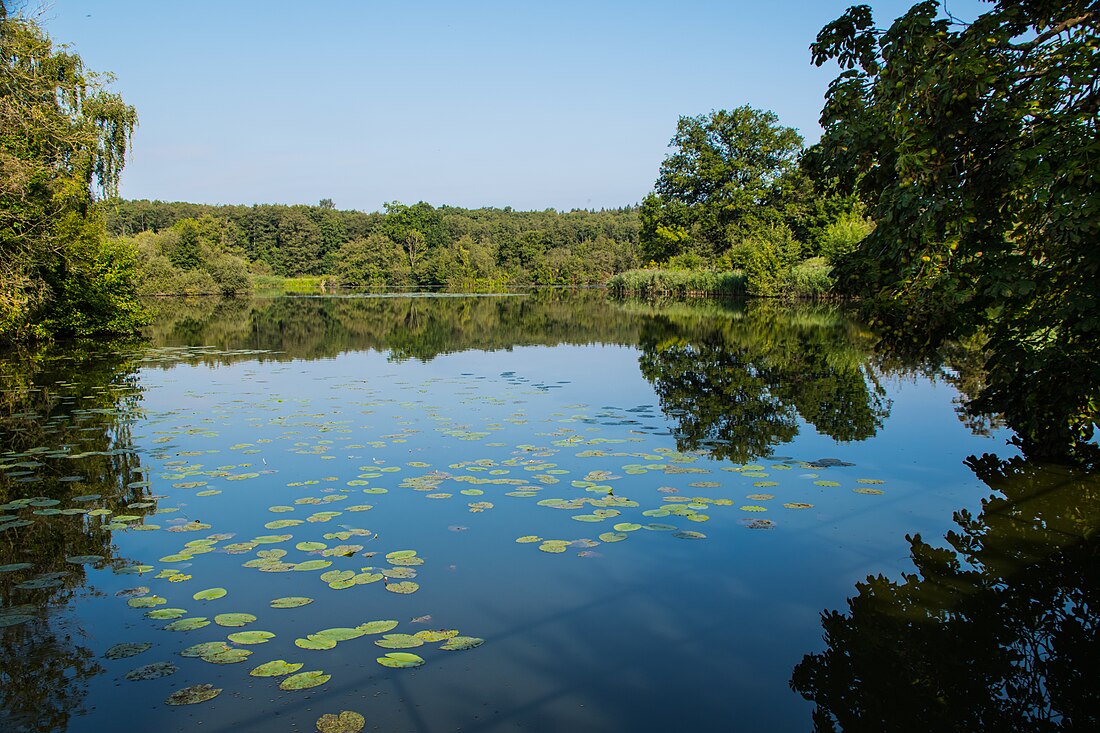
column 310, row 546
column 313, row 565
column 346, row 722
column 526, row 539
column 225, row 654
column 341, row 634
column 627, row 527
column 15, row 566
column 146, row 602
column 187, row 624
column 461, row 643
column 234, row 619
column 153, row 671
column 434, row 635
column 193, row 694
column 399, row 641
column 871, row 492
column 276, row 668
column 315, row 642
column 206, row 647
column 305, row 680
column 126, row 650
column 377, row 627
column 401, row 660
column 251, row 637
column 210, row 594
column 613, row 536
column 404, row 587
column 688, row 534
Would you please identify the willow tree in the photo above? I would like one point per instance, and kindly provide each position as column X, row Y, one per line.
column 975, row 148
column 63, row 143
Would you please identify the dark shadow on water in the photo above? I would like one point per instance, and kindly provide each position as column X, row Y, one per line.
column 997, row 631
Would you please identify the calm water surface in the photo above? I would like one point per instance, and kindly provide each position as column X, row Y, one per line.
column 709, row 478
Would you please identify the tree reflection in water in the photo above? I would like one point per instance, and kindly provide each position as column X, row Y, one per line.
column 996, row 632
column 57, row 403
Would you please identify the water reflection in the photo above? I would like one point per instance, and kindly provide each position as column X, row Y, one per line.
column 65, row 451
column 997, row 631
column 736, row 379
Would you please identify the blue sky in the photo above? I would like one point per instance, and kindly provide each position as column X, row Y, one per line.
column 530, row 105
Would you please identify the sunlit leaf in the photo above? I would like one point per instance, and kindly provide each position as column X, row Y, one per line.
column 401, row 660
column 291, row 602
column 210, row 594
column 251, row 637
column 276, row 668
column 304, row 680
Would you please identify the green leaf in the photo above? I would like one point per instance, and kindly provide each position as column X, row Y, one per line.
column 304, row 680
column 276, row 668
column 401, row 660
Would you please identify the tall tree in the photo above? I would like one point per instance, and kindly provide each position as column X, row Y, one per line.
column 713, row 188
column 63, row 140
column 975, row 147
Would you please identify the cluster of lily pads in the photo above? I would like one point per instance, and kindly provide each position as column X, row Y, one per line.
column 617, row 493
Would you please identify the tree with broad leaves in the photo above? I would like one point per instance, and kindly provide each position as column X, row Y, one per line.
column 975, row 148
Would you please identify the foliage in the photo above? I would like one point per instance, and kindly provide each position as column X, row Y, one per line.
column 447, row 247
column 842, row 237
column 63, row 136
column 996, row 632
column 679, row 283
column 717, row 181
column 193, row 257
column 810, row 278
column 974, row 147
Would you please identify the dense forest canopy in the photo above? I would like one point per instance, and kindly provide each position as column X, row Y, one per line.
column 408, row 245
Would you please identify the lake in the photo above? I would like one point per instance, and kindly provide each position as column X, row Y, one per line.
column 527, row 512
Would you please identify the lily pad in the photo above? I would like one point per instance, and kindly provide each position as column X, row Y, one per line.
column 251, row 637
column 127, row 649
column 225, row 655
column 305, row 680
column 688, row 534
column 276, row 668
column 315, row 642
column 313, row 565
column 346, row 722
column 341, row 634
column 146, row 602
column 193, row 694
column 210, row 594
column 377, row 627
column 84, row 559
column 627, row 527
column 404, row 587
column 434, row 635
column 206, row 647
column 153, row 671
column 234, row 619
column 613, row 536
column 399, row 641
column 401, row 660
column 187, row 624
column 461, row 643
column 528, row 539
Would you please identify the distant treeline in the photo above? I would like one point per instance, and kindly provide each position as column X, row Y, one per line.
column 407, row 245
